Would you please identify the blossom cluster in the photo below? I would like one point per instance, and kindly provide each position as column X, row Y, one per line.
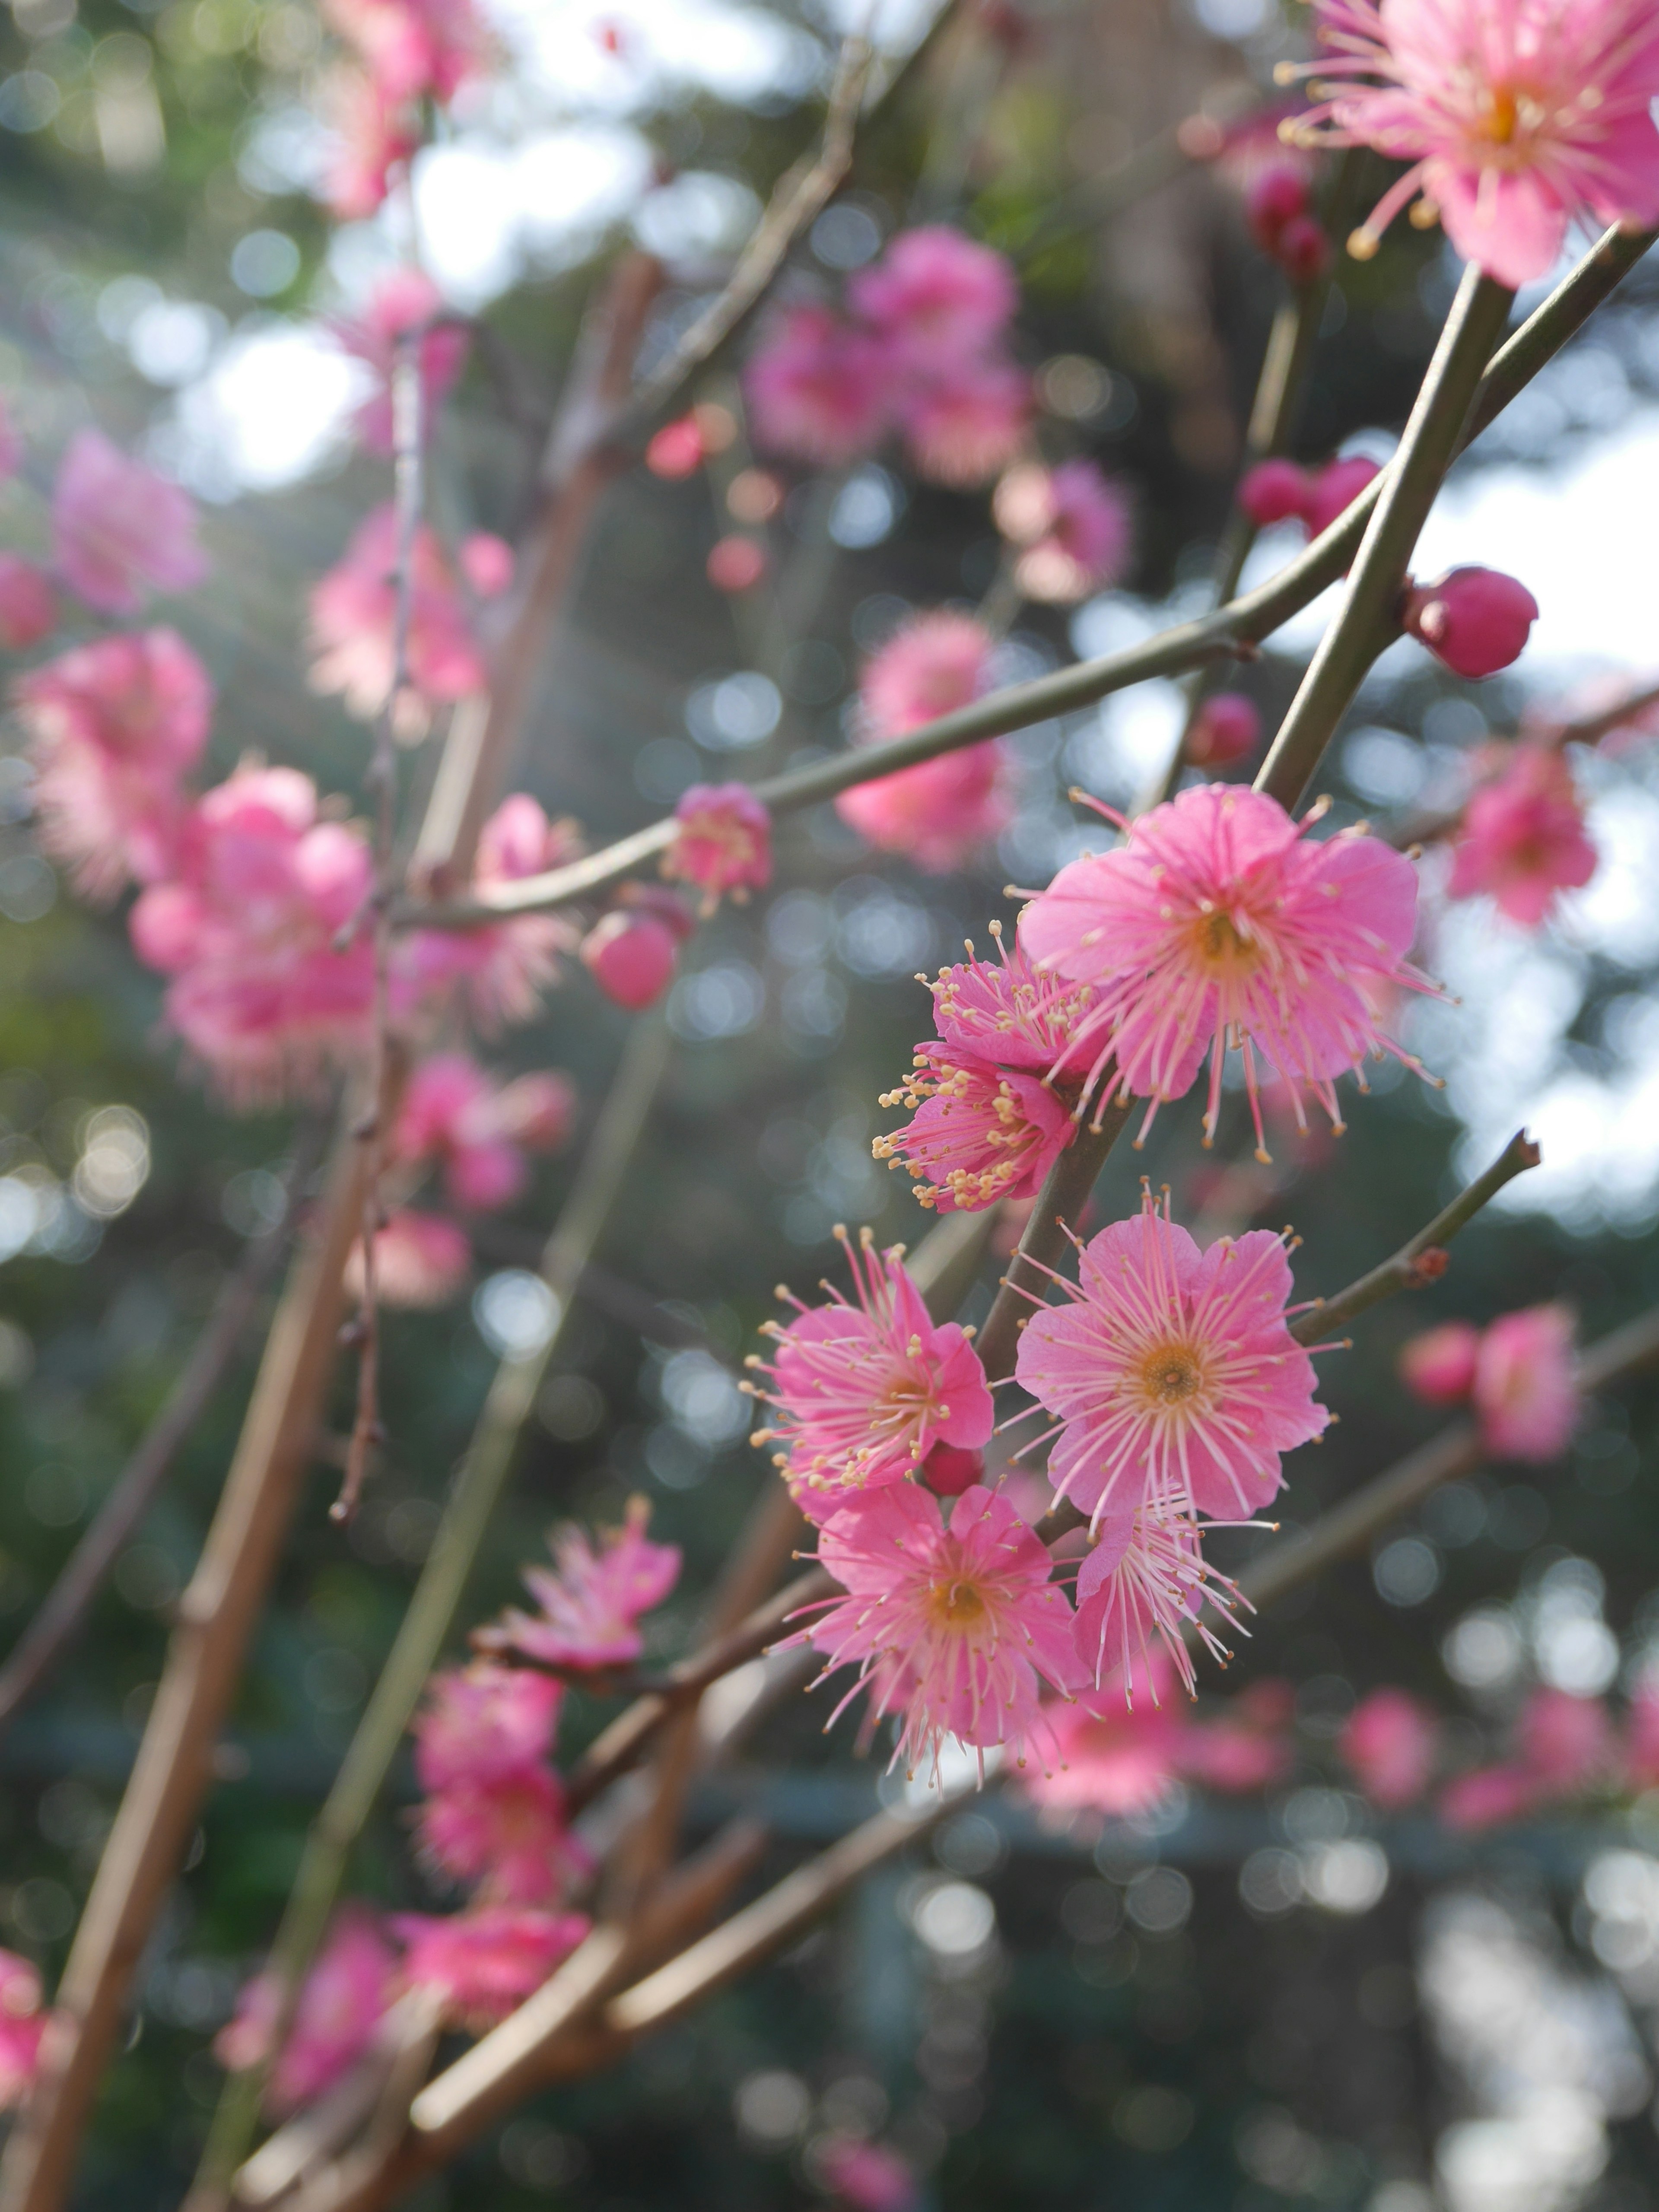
column 1519, row 1375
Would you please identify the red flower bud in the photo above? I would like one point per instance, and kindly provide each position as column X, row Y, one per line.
column 948, row 1470
column 1335, row 488
column 1225, row 728
column 1274, row 491
column 1279, row 197
column 631, row 956
column 1303, row 250
column 1475, row 619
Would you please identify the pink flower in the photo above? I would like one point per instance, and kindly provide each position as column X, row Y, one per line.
column 952, row 1627
column 373, row 135
column 342, row 2002
column 484, row 1962
column 483, row 1724
column 1274, row 491
column 1438, row 1366
column 1002, row 1011
column 1565, row 1742
column 723, row 842
column 1523, row 837
column 28, row 605
column 589, row 1607
column 22, row 2023
column 1518, row 116
column 1143, row 1585
column 1526, row 1390
column 978, row 1133
column 402, row 302
column 1487, row 1797
column 412, row 47
column 421, row 1261
column 1303, row 250
column 353, row 622
column 1172, row 1371
column 452, row 1112
column 115, row 725
column 1218, row 918
column 930, row 665
column 943, row 811
column 1390, row 1742
column 1476, row 621
column 817, row 389
column 248, row 930
column 505, row 965
column 964, row 425
column 1334, row 490
column 1074, row 524
column 119, row 531
column 677, row 450
column 1227, row 728
column 487, row 562
column 1236, row 1752
column 631, row 956
column 508, row 1834
column 1276, row 195
column 866, row 2177
column 1110, row 1756
column 860, row 1394
column 936, row 296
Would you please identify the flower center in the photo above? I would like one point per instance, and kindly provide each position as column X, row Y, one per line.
column 1221, row 944
column 1170, row 1374
column 957, row 1604
column 1502, row 113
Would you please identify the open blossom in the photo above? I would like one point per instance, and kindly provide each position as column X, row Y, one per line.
column 1439, row 1365
column 943, row 810
column 421, row 1261
column 1145, row 1584
column 722, row 842
column 261, row 992
column 452, row 1112
column 860, row 1394
column 817, row 389
column 1110, row 1756
column 342, row 2002
column 504, row 966
column 484, row 1723
column 1390, row 1742
column 936, row 296
column 950, row 1627
column 1522, row 839
column 963, row 426
column 353, row 613
column 1220, row 921
column 115, row 725
column 1526, row 1388
column 1518, row 116
column 119, row 531
column 1073, row 523
column 22, row 2023
column 414, row 47
column 507, row 1835
column 28, row 605
column 1172, row 1371
column 930, row 665
column 588, row 1605
column 403, row 301
column 483, row 1963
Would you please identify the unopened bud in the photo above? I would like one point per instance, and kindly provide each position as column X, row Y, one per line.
column 1475, row 620
column 1335, row 488
column 1226, row 727
column 948, row 1470
column 1274, row 491
column 1302, row 250
column 631, row 956
column 1277, row 197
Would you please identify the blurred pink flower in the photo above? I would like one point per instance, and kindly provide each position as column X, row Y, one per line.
column 1526, row 1388
column 736, row 562
column 452, row 1111
column 1476, row 621
column 860, row 1394
column 372, row 135
column 817, row 389
column 248, row 930
column 1274, row 491
column 353, row 622
column 1111, row 1756
column 722, row 842
column 483, row 1962
column 402, row 301
column 930, row 665
column 1487, row 1797
column 1518, row 116
column 28, row 605
column 866, row 2177
column 1390, row 1742
column 950, row 1626
column 422, row 1261
column 964, row 425
column 114, row 726
column 936, row 296
column 1227, row 728
column 1334, row 489
column 505, row 965
column 1238, row 1750
column 589, row 1605
column 1220, row 918
column 1142, row 1587
column 942, row 811
column 119, row 531
column 342, row 2002
column 22, row 2023
column 1438, row 1366
column 489, row 563
column 414, row 47
column 484, row 1723
column 1523, row 837
column 631, row 956
column 1565, row 1742
column 507, row 1834
column 1074, row 524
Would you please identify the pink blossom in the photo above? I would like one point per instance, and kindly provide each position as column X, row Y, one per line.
column 723, row 842
column 1144, row 1585
column 452, row 1112
column 114, row 726
column 342, row 2002
column 1002, row 1011
column 950, row 1626
column 1218, row 918
column 942, row 811
column 1074, row 524
column 817, row 389
column 936, row 296
column 1475, row 619
column 414, row 47
column 963, row 426
column 1526, row 1389
column 1236, row 1752
column 484, row 1962
column 631, row 956
column 1565, row 1742
column 1275, row 491
column 931, row 666
column 1523, row 837
column 977, row 1133
column 860, row 1394
column 1276, row 195
column 119, row 531
column 248, row 929
column 374, row 134
column 403, row 301
column 1334, row 489
column 22, row 2023
column 1110, row 1756
column 421, row 1261
column 1518, row 116
column 1303, row 250
column 866, row 2177
column 1227, row 728
column 28, row 605
column 589, row 1607
column 354, row 610
column 1438, row 1366
column 505, row 965
column 1172, row 1371
column 487, row 562
column 484, row 1723
column 508, row 1834
column 1390, row 1741
column 1487, row 1797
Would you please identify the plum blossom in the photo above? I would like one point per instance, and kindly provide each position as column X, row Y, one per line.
column 1439, row 1365
column 373, row 134
column 1073, row 526
column 632, row 957
column 1108, row 1755
column 1565, row 1746
column 28, row 605
column 1220, row 921
column 935, row 296
column 1475, row 621
column 588, row 1606
column 504, row 966
column 1486, row 1797
column 817, row 389
column 22, row 2023
column 866, row 2177
column 1145, row 1584
column 342, row 2002
column 115, row 725
column 860, row 1394
column 262, row 993
column 422, row 1261
column 414, row 47
column 1526, row 1388
column 484, row 1723
column 1280, row 491
column 506, row 1833
column 943, row 810
column 963, row 426
column 354, row 610
column 722, row 842
column 1522, row 839
column 950, row 1627
column 1227, row 728
column 119, row 531
column 452, row 1112
column 482, row 1963
column 1245, row 1746
column 1173, row 1376
column 402, row 301
column 1518, row 117
column 1390, row 1742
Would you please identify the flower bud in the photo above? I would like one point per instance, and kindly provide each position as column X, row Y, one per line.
column 1225, row 728
column 1303, row 250
column 1475, row 619
column 631, row 956
column 1277, row 198
column 1438, row 1366
column 1335, row 488
column 1274, row 491
column 735, row 564
column 948, row 1470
